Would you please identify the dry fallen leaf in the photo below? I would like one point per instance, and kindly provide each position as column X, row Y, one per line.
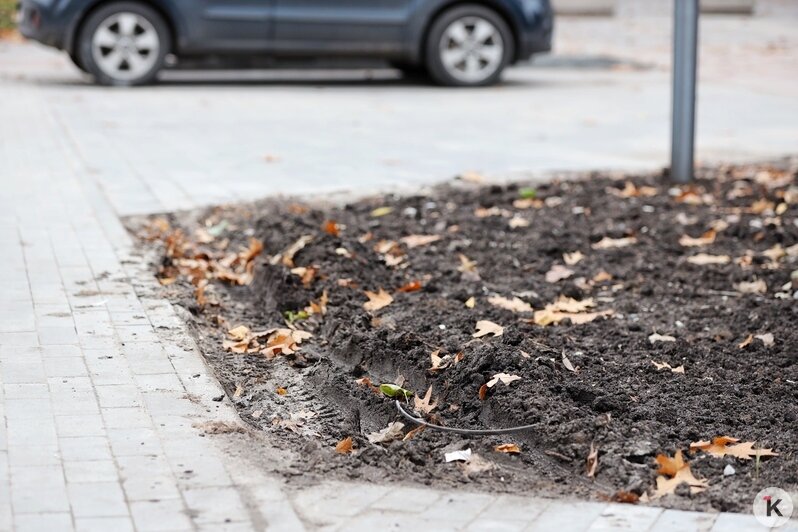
column 485, row 327
column 507, row 448
column 466, row 264
column 345, row 446
column 476, row 465
column 573, row 258
column 602, row 277
column 766, row 338
column 483, row 392
column 470, row 302
column 283, row 341
column 381, row 211
column 612, row 243
column 703, row 240
column 281, row 391
column 673, row 472
column 504, row 378
column 557, row 273
column 752, row 287
column 515, row 304
column 390, row 433
column 665, row 365
column 567, row 363
column 425, row 405
column 656, row 337
column 414, row 241
column 745, row 343
column 630, row 190
column 728, row 446
column 518, row 221
column 703, row 259
column 566, row 307
column 331, row 228
column 592, row 461
column 377, row 300
column 412, row 286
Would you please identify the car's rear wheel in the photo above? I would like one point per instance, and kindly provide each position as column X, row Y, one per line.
column 468, row 46
column 124, row 43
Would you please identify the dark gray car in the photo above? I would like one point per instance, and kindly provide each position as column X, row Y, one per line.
column 457, row 43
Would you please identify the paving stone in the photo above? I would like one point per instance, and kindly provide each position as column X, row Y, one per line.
column 738, row 523
column 573, row 516
column 43, row 522
column 85, row 448
column 97, row 499
column 215, row 505
column 104, row 524
column 683, row 521
column 79, row 425
column 91, row 471
column 625, row 517
column 406, row 499
column 156, row 516
column 65, row 367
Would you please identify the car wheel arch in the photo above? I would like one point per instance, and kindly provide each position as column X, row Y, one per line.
column 80, row 21
column 498, row 7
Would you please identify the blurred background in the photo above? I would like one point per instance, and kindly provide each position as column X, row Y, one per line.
column 599, row 100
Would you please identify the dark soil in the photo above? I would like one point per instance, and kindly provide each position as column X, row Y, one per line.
column 616, row 398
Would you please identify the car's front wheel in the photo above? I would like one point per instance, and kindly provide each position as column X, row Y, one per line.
column 468, row 46
column 124, row 43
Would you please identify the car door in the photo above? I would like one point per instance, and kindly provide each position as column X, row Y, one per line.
column 229, row 25
column 357, row 26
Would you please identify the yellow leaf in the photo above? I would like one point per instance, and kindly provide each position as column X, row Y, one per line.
column 727, row 446
column 381, row 211
column 470, row 302
column 673, row 472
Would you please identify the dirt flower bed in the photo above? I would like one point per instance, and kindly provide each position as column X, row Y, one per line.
column 644, row 333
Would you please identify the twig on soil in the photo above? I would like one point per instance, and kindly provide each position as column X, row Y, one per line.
column 483, row 432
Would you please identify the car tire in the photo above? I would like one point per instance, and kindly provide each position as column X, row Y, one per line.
column 468, row 46
column 124, row 44
column 76, row 61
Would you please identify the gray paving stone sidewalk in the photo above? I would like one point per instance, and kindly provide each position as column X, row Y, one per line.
column 102, row 392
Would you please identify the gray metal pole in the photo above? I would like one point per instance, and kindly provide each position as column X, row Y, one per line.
column 685, row 44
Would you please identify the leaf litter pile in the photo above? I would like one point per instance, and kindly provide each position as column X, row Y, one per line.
column 645, row 333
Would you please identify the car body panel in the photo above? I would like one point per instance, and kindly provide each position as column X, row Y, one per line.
column 391, row 29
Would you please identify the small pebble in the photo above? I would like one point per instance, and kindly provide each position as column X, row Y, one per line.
column 728, row 470
column 442, row 327
column 648, row 208
column 679, row 324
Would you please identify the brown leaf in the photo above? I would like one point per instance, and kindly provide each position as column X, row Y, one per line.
column 703, row 259
column 573, row 258
column 515, row 304
column 665, row 365
column 283, row 341
column 331, row 228
column 390, row 433
column 377, row 300
column 414, row 241
column 592, row 461
column 727, row 446
column 601, row 277
column 483, row 392
column 281, row 391
column 305, row 274
column 557, row 273
column 485, row 327
column 345, row 446
column 752, row 287
column 504, row 378
column 613, row 243
column 412, row 286
column 745, row 343
column 413, row 433
column 673, row 472
column 630, row 190
column 425, row 405
column 507, row 448
column 703, row 240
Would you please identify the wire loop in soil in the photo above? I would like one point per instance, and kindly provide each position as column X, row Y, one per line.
column 473, row 432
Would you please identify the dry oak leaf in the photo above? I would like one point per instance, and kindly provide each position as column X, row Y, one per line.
column 673, row 472
column 504, row 378
column 630, row 190
column 345, row 446
column 377, row 300
column 510, row 448
column 752, row 287
column 390, row 433
column 665, row 365
column 557, row 273
column 412, row 286
column 656, row 337
column 283, row 341
column 703, row 259
column 591, row 463
column 485, row 327
column 425, row 405
column 239, row 339
column 728, row 446
column 547, row 317
column 612, row 243
column 573, row 258
column 515, row 304
column 703, row 240
column 466, row 265
column 414, row 241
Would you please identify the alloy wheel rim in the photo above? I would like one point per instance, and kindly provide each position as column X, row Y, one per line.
column 471, row 49
column 125, row 46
